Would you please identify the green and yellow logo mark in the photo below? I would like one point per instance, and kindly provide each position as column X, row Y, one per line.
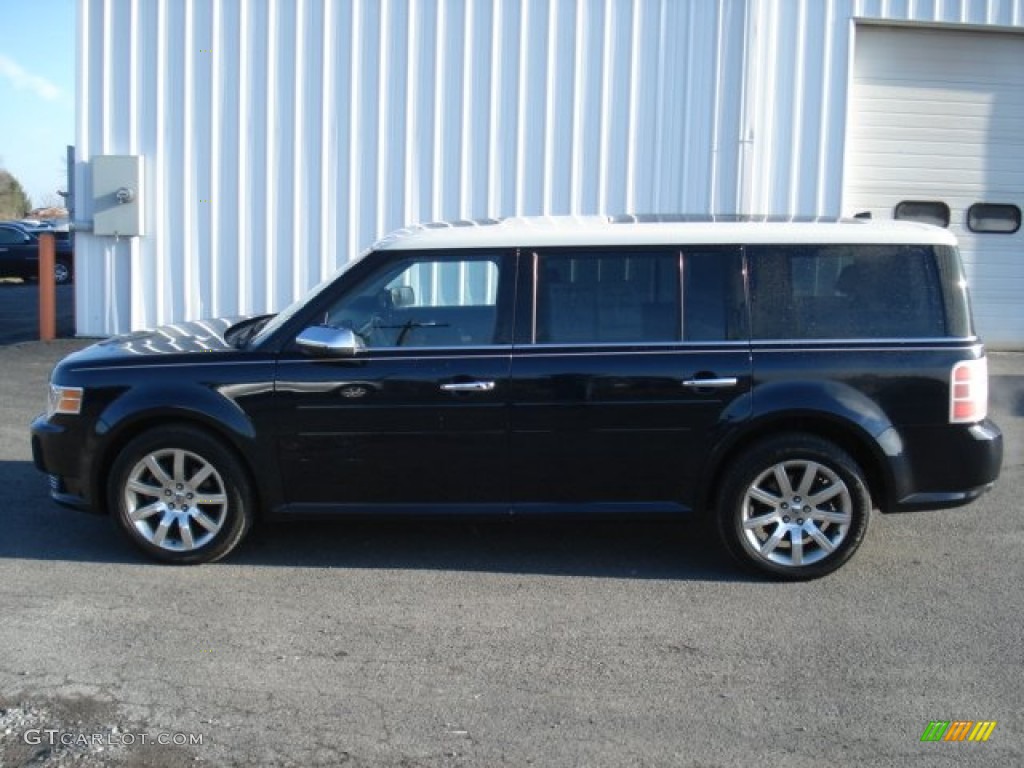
column 958, row 730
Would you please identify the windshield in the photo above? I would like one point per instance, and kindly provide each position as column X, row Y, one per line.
column 289, row 312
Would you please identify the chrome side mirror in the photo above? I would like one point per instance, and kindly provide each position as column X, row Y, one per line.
column 324, row 341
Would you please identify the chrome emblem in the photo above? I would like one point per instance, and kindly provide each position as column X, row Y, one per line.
column 354, row 390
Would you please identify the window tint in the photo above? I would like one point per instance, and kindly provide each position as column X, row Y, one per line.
column 607, row 297
column 428, row 300
column 713, row 303
column 925, row 211
column 11, row 236
column 990, row 217
column 845, row 292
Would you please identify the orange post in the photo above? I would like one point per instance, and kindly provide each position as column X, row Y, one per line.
column 47, row 287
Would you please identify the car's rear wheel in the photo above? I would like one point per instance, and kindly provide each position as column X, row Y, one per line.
column 794, row 506
column 180, row 495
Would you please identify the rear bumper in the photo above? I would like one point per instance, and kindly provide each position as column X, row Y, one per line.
column 937, row 482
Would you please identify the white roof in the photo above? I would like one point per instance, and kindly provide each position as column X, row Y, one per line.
column 541, row 231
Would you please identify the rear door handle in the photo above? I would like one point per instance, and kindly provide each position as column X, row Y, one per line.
column 468, row 386
column 723, row 383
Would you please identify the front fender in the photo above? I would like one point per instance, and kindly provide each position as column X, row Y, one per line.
column 228, row 411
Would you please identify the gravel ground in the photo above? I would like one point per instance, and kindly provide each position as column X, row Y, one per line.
column 84, row 732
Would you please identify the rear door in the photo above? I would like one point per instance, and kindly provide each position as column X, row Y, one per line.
column 618, row 385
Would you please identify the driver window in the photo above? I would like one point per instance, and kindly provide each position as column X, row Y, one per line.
column 428, row 300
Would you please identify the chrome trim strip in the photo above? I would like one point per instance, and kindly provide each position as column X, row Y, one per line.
column 950, row 340
column 623, row 352
column 363, row 356
column 646, row 344
column 367, row 350
column 190, row 364
column 535, row 267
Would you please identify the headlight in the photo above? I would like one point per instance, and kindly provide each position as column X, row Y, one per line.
column 64, row 400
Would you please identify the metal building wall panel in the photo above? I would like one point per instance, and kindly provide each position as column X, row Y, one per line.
column 939, row 116
column 797, row 56
column 281, row 137
column 982, row 13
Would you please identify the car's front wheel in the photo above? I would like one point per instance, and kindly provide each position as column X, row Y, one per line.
column 180, row 495
column 794, row 506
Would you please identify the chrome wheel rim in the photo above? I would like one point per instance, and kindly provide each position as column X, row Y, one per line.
column 176, row 500
column 796, row 513
column 61, row 273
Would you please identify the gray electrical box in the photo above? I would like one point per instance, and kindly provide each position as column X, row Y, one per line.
column 117, row 185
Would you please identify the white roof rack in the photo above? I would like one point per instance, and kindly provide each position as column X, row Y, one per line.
column 553, row 231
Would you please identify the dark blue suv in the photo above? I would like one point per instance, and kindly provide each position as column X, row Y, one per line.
column 783, row 379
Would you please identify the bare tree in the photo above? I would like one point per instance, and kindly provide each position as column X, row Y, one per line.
column 14, row 203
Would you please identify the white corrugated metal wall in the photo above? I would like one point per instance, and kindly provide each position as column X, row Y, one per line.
column 281, row 137
column 938, row 115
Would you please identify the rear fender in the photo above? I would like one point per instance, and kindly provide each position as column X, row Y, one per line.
column 830, row 409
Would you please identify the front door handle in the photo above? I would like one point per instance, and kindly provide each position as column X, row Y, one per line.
column 723, row 383
column 468, row 386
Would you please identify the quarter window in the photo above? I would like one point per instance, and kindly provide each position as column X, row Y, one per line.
column 995, row 218
column 845, row 292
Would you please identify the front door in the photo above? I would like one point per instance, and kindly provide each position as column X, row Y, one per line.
column 418, row 417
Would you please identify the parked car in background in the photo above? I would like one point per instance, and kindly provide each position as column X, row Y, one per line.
column 784, row 379
column 19, row 252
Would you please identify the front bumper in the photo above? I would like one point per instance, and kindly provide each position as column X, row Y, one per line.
column 55, row 453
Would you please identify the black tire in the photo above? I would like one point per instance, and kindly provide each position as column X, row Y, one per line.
column 185, row 481
column 62, row 272
column 769, row 495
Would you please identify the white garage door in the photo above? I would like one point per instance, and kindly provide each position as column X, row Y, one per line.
column 937, row 122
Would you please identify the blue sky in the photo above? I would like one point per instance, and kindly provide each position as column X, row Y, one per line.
column 37, row 92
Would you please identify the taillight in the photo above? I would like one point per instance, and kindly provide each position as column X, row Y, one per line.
column 968, row 391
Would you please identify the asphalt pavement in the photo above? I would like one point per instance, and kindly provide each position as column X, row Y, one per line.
column 19, row 311
column 533, row 643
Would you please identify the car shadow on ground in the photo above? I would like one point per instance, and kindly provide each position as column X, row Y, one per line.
column 633, row 549
column 36, row 528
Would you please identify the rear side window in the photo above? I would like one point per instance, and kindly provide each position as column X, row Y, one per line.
column 588, row 297
column 609, row 297
column 856, row 292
